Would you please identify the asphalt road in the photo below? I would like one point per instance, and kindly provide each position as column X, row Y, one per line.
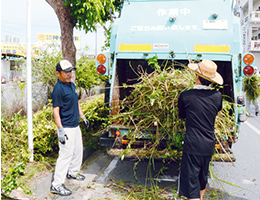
column 245, row 173
column 239, row 181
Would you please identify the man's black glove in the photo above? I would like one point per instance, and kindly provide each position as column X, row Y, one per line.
column 86, row 122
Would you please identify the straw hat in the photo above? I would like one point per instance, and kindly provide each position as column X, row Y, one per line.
column 207, row 69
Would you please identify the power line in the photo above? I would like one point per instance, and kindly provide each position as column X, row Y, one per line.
column 14, row 33
column 22, row 36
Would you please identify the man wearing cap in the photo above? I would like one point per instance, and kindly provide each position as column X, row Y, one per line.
column 67, row 112
column 200, row 107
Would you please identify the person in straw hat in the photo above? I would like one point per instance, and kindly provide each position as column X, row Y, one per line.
column 200, row 107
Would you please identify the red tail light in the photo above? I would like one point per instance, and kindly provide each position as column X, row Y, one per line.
column 248, row 70
column 101, row 69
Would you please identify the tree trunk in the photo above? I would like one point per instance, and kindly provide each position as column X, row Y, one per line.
column 66, row 26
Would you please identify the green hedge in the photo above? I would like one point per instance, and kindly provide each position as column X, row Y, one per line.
column 14, row 138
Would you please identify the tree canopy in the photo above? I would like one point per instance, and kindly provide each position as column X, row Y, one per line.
column 81, row 14
column 87, row 14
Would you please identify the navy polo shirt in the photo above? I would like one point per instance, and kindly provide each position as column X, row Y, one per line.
column 64, row 96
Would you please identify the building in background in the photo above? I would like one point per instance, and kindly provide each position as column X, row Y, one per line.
column 249, row 11
column 13, row 54
column 45, row 39
column 12, row 59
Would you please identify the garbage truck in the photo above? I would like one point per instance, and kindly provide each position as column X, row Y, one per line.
column 176, row 30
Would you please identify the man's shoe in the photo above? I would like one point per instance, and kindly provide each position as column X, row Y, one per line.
column 61, row 190
column 256, row 113
column 78, row 177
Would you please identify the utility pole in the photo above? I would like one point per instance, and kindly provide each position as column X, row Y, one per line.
column 96, row 35
column 29, row 81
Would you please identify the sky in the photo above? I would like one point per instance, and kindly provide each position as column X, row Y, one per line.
column 43, row 20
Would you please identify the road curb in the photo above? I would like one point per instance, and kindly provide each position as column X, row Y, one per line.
column 87, row 152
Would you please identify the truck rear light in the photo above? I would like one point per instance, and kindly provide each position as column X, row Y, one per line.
column 101, row 58
column 125, row 141
column 118, row 133
column 241, row 100
column 248, row 59
column 101, row 69
column 242, row 117
column 248, row 70
column 248, row 62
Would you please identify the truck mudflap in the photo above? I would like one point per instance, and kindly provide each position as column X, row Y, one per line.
column 106, row 141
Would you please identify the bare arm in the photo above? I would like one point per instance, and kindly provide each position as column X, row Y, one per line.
column 80, row 111
column 56, row 114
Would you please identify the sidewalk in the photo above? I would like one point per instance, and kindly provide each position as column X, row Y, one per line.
column 89, row 189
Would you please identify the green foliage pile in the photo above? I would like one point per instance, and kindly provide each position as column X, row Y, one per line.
column 13, row 145
column 11, row 180
column 14, row 139
column 152, row 111
column 97, row 113
column 225, row 124
column 252, row 87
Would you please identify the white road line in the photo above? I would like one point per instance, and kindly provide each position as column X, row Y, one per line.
column 110, row 167
column 252, row 127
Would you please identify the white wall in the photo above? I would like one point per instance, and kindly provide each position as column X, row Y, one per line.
column 257, row 59
column 257, row 54
column 5, row 69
